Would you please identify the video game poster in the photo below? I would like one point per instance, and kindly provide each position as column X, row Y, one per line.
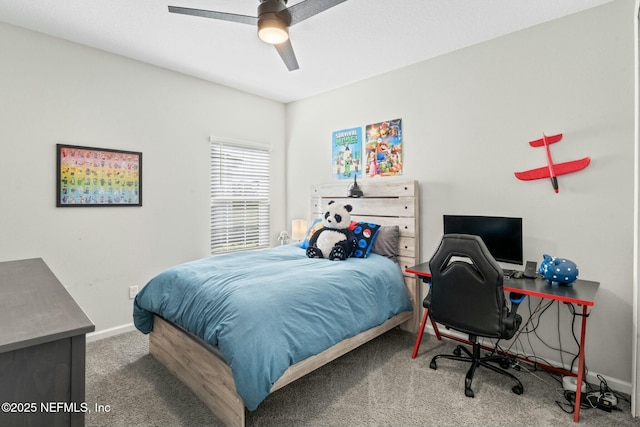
column 383, row 156
column 347, row 153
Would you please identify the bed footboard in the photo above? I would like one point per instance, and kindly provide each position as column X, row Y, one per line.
column 209, row 377
column 203, row 372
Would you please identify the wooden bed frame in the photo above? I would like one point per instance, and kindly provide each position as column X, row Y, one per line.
column 204, row 371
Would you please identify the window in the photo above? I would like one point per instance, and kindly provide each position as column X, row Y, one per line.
column 239, row 196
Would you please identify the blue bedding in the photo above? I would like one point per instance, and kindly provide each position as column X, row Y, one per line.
column 267, row 310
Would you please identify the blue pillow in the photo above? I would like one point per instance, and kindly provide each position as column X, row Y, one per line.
column 365, row 233
column 315, row 226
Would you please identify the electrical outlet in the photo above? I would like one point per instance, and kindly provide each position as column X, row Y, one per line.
column 133, row 291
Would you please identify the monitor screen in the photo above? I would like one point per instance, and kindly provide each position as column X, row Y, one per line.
column 501, row 235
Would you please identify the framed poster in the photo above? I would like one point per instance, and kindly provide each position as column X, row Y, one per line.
column 346, row 154
column 384, row 148
column 87, row 176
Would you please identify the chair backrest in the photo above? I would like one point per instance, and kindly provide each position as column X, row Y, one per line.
column 466, row 289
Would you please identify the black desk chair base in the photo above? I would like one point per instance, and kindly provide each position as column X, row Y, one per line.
column 476, row 361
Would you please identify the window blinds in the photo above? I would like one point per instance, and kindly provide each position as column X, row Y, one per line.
column 239, row 197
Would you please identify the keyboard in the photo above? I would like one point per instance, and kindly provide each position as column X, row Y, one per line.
column 508, row 273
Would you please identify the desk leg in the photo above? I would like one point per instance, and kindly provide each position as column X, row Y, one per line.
column 576, row 409
column 416, row 347
column 436, row 330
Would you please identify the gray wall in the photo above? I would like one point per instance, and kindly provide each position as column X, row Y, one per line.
column 53, row 91
column 467, row 118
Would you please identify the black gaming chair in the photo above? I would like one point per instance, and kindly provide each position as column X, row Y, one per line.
column 466, row 295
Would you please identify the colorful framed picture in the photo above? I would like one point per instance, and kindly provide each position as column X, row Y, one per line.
column 87, row 176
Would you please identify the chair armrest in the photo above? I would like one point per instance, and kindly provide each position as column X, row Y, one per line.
column 426, row 303
column 516, row 299
column 513, row 320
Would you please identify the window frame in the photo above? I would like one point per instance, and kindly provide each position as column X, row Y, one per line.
column 240, row 203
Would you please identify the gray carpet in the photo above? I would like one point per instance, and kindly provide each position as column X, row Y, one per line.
column 376, row 385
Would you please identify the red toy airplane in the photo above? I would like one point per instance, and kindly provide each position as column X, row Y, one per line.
column 552, row 170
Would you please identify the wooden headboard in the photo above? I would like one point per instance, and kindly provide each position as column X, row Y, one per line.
column 385, row 202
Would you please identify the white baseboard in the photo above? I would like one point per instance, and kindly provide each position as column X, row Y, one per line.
column 592, row 377
column 106, row 333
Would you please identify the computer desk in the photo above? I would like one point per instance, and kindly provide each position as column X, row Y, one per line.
column 581, row 292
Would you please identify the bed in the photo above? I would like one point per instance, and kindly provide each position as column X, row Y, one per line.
column 310, row 311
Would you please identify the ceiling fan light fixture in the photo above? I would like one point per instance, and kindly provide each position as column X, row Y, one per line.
column 272, row 30
column 273, row 21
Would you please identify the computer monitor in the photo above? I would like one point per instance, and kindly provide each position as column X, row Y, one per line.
column 501, row 235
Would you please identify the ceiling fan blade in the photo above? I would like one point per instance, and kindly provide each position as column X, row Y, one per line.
column 308, row 8
column 243, row 19
column 288, row 56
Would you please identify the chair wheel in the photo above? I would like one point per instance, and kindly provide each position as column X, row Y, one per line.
column 468, row 392
column 517, row 389
column 504, row 363
column 457, row 351
column 433, row 365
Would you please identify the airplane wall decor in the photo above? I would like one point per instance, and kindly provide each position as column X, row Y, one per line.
column 552, row 170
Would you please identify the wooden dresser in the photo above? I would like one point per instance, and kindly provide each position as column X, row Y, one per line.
column 42, row 348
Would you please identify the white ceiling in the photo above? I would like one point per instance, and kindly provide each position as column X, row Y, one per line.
column 349, row 42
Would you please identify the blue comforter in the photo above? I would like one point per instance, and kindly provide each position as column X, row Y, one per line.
column 267, row 310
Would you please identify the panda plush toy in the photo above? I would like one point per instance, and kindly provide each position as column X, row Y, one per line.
column 334, row 240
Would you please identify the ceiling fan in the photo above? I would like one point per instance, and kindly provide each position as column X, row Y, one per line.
column 273, row 21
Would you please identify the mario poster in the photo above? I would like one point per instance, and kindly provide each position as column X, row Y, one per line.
column 347, row 153
column 384, row 148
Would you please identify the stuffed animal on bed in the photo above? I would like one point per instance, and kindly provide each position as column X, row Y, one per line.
column 334, row 240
